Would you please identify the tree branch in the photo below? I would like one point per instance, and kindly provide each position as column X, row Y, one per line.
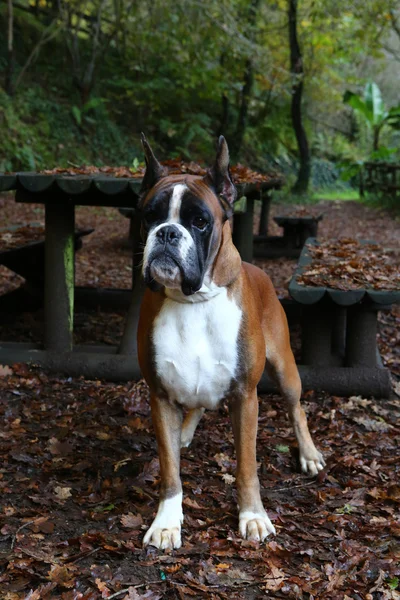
column 48, row 34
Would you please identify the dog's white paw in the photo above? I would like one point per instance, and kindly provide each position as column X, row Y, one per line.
column 163, row 539
column 165, row 531
column 255, row 526
column 311, row 462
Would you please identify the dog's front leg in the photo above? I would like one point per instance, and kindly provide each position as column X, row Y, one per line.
column 165, row 531
column 254, row 523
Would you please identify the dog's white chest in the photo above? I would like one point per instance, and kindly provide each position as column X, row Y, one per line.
column 196, row 350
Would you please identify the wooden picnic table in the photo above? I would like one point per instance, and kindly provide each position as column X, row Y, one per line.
column 60, row 193
column 339, row 329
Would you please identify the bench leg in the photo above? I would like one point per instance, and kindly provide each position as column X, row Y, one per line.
column 59, row 277
column 316, row 336
column 242, row 234
column 361, row 346
column 339, row 331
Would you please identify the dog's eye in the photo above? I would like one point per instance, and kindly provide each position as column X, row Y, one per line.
column 199, row 222
column 149, row 216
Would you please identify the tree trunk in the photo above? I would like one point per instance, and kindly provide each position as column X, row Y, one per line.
column 224, row 116
column 10, row 49
column 244, row 108
column 223, row 125
column 248, row 81
column 296, row 68
column 377, row 131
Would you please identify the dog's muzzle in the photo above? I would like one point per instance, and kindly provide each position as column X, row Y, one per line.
column 170, row 259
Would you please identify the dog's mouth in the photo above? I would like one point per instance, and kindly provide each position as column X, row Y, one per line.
column 164, row 270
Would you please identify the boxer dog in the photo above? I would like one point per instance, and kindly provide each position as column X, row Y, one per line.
column 208, row 326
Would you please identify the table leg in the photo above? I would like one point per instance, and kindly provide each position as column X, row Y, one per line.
column 265, row 206
column 316, row 336
column 129, row 343
column 59, row 277
column 361, row 347
column 291, row 236
column 339, row 331
column 243, row 232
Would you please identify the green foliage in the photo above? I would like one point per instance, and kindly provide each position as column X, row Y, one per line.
column 342, row 195
column 176, row 69
column 372, row 109
column 39, row 131
column 81, row 115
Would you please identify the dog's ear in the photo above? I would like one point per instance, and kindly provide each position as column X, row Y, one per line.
column 219, row 178
column 154, row 171
column 228, row 263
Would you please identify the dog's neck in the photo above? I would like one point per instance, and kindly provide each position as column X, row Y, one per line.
column 207, row 291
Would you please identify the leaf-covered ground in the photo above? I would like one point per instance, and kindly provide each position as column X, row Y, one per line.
column 79, row 483
column 79, row 471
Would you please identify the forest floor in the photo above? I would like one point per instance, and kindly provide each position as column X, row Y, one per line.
column 80, row 474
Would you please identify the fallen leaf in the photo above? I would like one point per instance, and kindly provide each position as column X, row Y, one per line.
column 131, row 521
column 5, row 371
column 62, row 493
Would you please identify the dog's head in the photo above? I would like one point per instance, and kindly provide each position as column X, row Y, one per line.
column 185, row 224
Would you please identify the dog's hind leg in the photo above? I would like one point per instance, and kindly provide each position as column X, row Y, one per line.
column 189, row 425
column 254, row 523
column 283, row 369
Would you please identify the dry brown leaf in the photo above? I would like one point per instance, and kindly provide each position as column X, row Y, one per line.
column 131, row 521
column 62, row 493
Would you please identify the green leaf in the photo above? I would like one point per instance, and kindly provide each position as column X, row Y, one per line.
column 92, row 103
column 358, row 104
column 349, row 169
column 393, row 117
column 135, row 165
column 77, row 115
column 282, row 448
column 106, row 508
column 374, row 103
column 346, row 509
column 393, row 583
column 394, row 111
column 383, row 153
column 240, row 205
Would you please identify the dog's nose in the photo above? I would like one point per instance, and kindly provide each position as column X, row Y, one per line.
column 169, row 235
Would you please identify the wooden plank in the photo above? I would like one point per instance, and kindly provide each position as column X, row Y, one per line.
column 8, row 181
column 35, row 182
column 111, row 185
column 74, row 185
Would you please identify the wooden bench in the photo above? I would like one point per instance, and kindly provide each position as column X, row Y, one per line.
column 381, row 179
column 27, row 257
column 339, row 349
column 296, row 230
